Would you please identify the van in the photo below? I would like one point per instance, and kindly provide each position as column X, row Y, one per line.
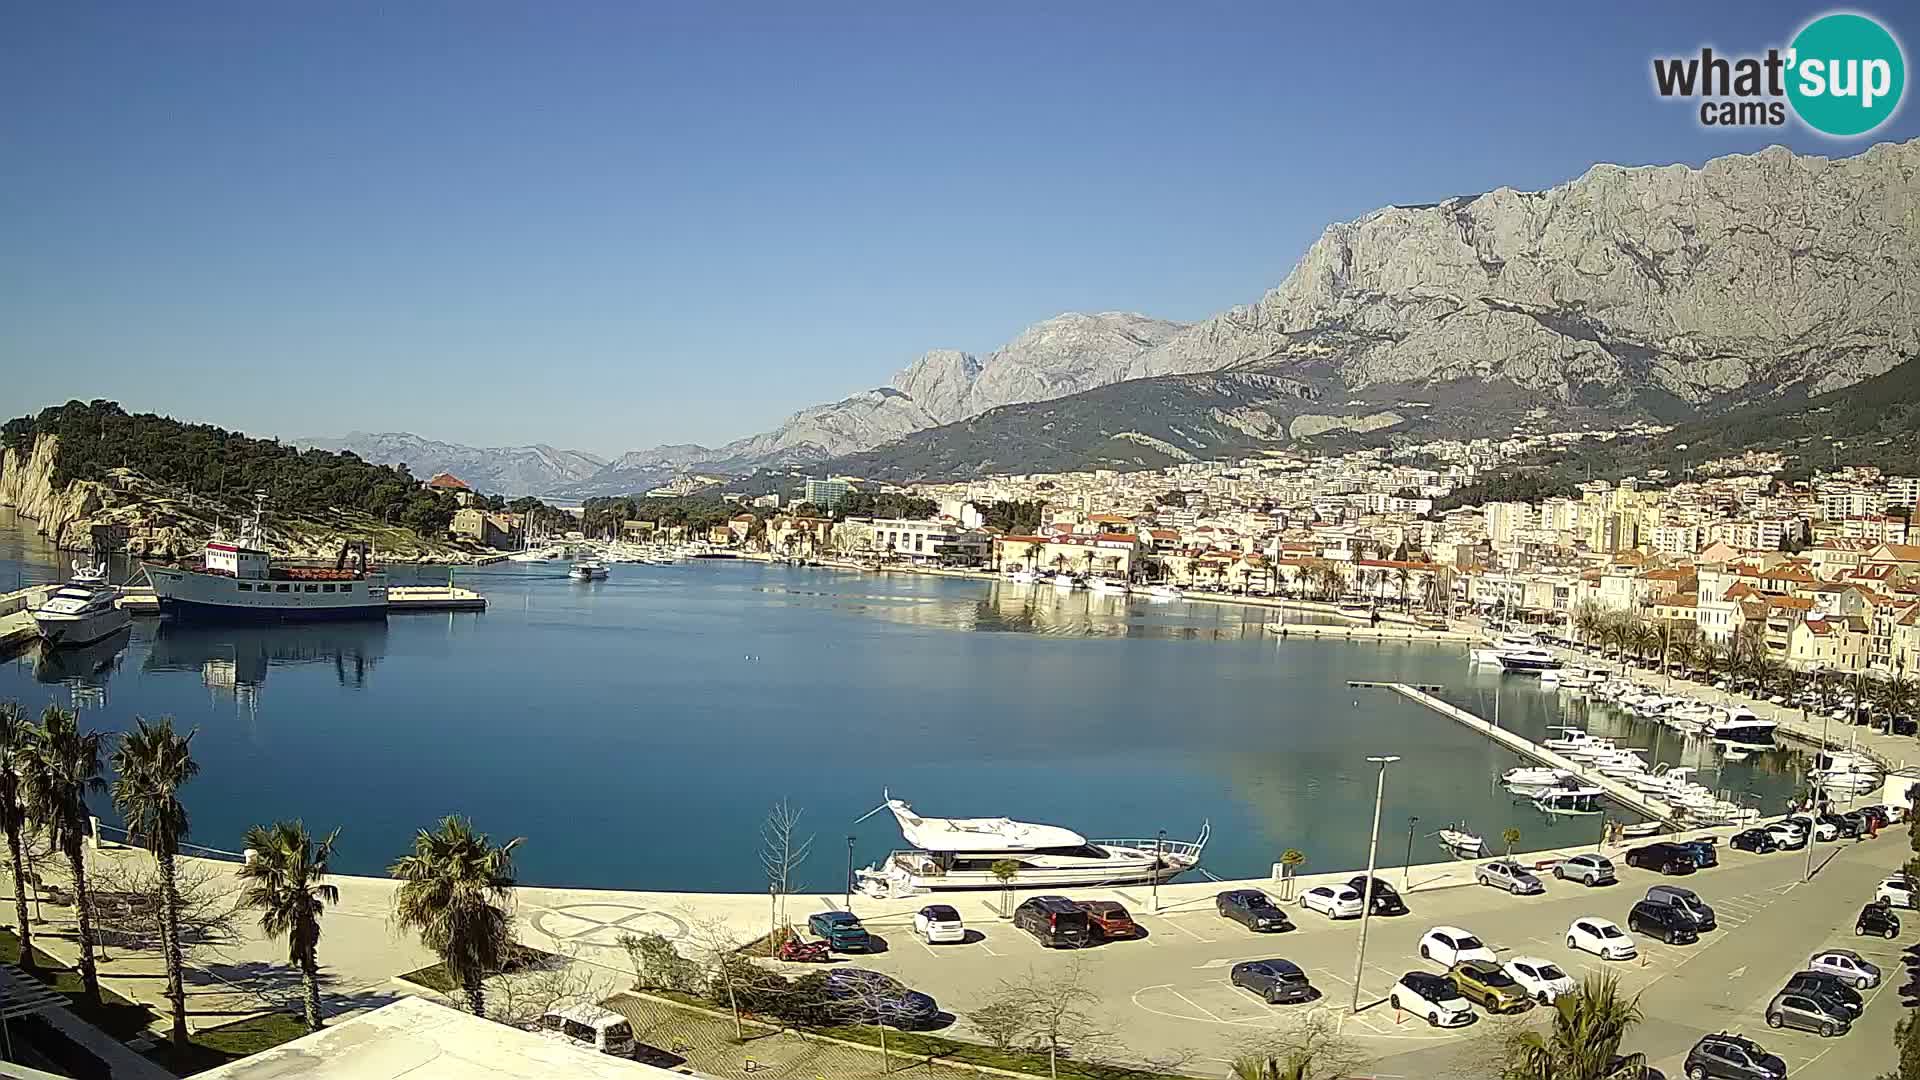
column 1687, row 902
column 590, row 1026
column 1055, row 921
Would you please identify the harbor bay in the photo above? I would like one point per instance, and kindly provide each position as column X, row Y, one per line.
column 637, row 730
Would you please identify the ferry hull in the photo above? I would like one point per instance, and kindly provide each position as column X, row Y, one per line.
column 198, row 612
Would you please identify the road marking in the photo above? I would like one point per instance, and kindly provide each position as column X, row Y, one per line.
column 1208, row 1013
column 1738, row 972
column 1211, row 964
column 1189, row 933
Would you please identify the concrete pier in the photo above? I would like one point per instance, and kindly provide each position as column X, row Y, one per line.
column 1625, row 794
column 401, row 599
column 1362, row 633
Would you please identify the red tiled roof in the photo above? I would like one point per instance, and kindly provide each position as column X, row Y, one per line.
column 449, row 482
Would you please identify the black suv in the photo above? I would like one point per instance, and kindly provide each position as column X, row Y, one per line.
column 1731, row 1057
column 1821, row 984
column 1385, row 900
column 1664, row 921
column 1663, row 857
column 1251, row 909
column 1758, row 841
column 1055, row 921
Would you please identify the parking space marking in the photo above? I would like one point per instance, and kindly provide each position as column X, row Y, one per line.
column 1189, row 933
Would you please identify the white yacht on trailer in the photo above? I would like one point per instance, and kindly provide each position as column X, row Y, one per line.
column 959, row 853
column 83, row 610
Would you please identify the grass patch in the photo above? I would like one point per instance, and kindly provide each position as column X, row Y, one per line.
column 214, row 1047
column 917, row 1045
column 115, row 1015
column 519, row 958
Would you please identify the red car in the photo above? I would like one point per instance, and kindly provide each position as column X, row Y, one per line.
column 1109, row 919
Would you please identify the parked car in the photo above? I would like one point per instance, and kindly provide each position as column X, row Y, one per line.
column 1487, row 985
column 1732, row 1057
column 1663, row 921
column 1663, row 857
column 1898, row 891
column 939, row 922
column 1276, row 981
column 1878, row 815
column 1333, row 901
column 1541, row 979
column 1385, row 900
column 840, row 930
column 1705, row 852
column 1432, row 996
column 1698, row 912
column 1788, row 835
column 1821, row 984
column 862, row 995
column 1858, row 823
column 1877, row 918
column 591, row 1026
column 1758, row 841
column 1509, row 875
column 1808, row 1013
column 1602, row 938
column 1109, row 919
column 1588, row 870
column 1820, row 829
column 1449, row 945
column 1847, row 965
column 1055, row 921
column 1251, row 909
column 1845, row 826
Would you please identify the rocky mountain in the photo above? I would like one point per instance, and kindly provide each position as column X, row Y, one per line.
column 505, row 470
column 1623, row 287
column 1664, row 293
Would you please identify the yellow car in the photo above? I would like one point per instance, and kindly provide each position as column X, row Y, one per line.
column 1483, row 983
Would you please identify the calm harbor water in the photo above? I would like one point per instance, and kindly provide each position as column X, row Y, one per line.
column 637, row 730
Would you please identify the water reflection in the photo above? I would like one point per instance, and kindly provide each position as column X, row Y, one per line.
column 236, row 660
column 85, row 670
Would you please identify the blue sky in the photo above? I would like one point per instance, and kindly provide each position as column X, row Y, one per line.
column 611, row 226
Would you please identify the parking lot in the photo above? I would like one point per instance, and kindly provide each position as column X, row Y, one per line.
column 1169, row 989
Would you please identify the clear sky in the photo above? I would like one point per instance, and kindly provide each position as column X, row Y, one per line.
column 606, row 226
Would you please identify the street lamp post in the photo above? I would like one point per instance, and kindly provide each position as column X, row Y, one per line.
column 1406, row 872
column 849, row 902
column 1366, row 896
column 1159, row 840
column 1813, row 792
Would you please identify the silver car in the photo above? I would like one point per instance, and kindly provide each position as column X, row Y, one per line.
column 1585, row 869
column 1808, row 1012
column 1509, row 875
column 1847, row 966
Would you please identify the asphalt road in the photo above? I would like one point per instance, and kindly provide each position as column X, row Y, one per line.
column 1168, row 990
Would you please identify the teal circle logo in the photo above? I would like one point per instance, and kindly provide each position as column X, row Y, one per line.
column 1847, row 75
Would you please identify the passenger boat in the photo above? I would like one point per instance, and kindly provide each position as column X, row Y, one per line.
column 82, row 611
column 239, row 580
column 960, row 853
column 587, row 570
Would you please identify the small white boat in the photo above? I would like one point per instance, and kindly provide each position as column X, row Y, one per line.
column 1526, row 778
column 587, row 570
column 1101, row 584
column 1490, row 654
column 1572, row 798
column 1065, row 581
column 1021, row 576
column 1531, row 660
column 1165, row 592
column 1462, row 841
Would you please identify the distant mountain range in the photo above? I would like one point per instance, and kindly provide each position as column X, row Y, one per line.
column 1657, row 292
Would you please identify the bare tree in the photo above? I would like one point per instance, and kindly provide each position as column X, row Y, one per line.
column 520, row 998
column 1314, row 1051
column 716, row 950
column 782, row 850
column 657, row 965
column 1054, row 1012
column 128, row 907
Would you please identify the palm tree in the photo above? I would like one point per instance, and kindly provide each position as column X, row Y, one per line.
column 13, row 817
column 1586, row 622
column 154, row 763
column 1708, row 654
column 457, row 886
column 59, row 766
column 1510, row 837
column 1033, row 555
column 1584, row 1043
column 1894, row 696
column 286, row 881
column 1401, row 578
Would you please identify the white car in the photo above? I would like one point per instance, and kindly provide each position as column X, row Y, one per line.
column 1542, row 981
column 1333, row 901
column 1787, row 834
column 1431, row 996
column 1897, row 891
column 939, row 923
column 1602, row 938
column 1823, row 831
column 1448, row 945
column 1846, row 965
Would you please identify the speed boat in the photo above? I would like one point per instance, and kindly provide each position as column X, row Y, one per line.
column 588, row 570
column 1531, row 660
column 962, row 853
column 1741, row 725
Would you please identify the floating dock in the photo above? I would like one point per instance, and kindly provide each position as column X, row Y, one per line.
column 1624, row 794
column 1362, row 633
column 401, row 599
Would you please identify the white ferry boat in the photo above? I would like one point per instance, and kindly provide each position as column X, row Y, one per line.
column 83, row 610
column 959, row 853
column 237, row 580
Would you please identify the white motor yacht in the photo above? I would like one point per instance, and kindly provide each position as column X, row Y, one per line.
column 1165, row 592
column 1102, row 584
column 588, row 570
column 1526, row 778
column 1531, row 660
column 1741, row 725
column 1490, row 654
column 960, row 853
column 1065, row 581
column 1570, row 738
column 1570, row 798
column 84, row 610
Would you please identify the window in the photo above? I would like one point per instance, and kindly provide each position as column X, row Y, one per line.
column 282, row 588
column 326, row 588
column 313, row 588
column 579, row 1031
column 244, row 587
column 346, row 588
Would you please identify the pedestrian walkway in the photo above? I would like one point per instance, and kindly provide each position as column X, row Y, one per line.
column 707, row 1043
